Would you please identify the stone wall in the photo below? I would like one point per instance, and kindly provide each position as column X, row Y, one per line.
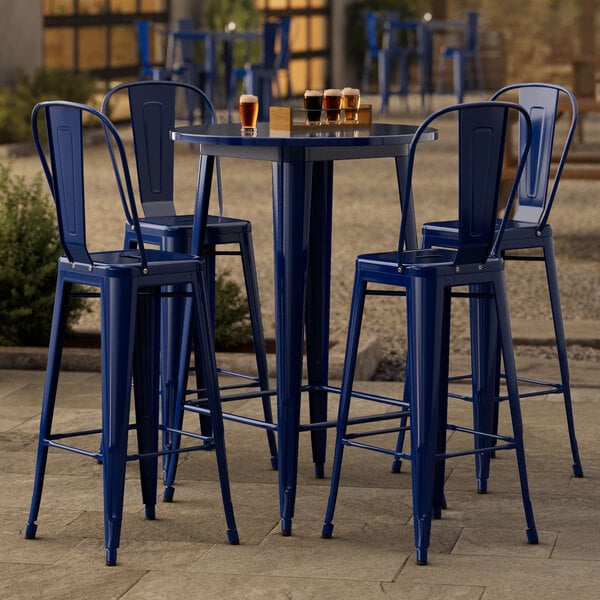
column 537, row 36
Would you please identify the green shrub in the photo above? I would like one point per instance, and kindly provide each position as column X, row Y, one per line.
column 17, row 102
column 29, row 249
column 232, row 329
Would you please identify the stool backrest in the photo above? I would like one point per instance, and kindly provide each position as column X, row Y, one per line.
column 63, row 166
column 283, row 55
column 544, row 102
column 153, row 112
column 482, row 132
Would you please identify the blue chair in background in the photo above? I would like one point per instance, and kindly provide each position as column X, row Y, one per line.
column 145, row 31
column 372, row 46
column 152, row 107
column 528, row 229
column 129, row 284
column 466, row 60
column 427, row 277
column 401, row 45
column 259, row 79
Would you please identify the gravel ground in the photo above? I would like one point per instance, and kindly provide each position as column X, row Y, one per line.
column 366, row 218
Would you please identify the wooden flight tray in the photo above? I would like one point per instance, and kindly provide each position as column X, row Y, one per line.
column 286, row 118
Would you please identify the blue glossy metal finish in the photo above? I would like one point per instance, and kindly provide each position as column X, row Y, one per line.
column 129, row 285
column 529, row 228
column 152, row 108
column 302, row 171
column 426, row 277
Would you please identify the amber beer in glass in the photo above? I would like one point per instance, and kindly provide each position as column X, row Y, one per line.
column 248, row 113
column 313, row 102
column 351, row 104
column 332, row 101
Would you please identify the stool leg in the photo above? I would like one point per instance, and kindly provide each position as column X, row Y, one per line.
column 458, row 74
column 117, row 330
column 146, row 385
column 425, row 319
column 258, row 335
column 561, row 348
column 384, row 74
column 356, row 312
column 397, row 462
column 175, row 438
column 209, row 366
column 439, row 498
column 55, row 347
column 484, row 350
column 514, row 404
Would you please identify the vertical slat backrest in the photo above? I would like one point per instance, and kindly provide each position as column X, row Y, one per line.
column 63, row 165
column 482, row 131
column 152, row 112
column 65, row 177
column 481, row 136
column 542, row 102
column 153, row 109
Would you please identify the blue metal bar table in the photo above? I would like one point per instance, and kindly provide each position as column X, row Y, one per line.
column 302, row 219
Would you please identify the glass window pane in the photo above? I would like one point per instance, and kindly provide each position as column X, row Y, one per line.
column 91, row 7
column 123, row 6
column 153, row 5
column 92, row 48
column 58, row 48
column 123, row 47
column 58, row 7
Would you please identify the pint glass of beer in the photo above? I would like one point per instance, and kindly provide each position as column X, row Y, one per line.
column 332, row 100
column 248, row 113
column 313, row 101
column 351, row 104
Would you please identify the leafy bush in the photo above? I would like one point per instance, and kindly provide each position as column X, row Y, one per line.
column 16, row 102
column 232, row 328
column 217, row 13
column 29, row 249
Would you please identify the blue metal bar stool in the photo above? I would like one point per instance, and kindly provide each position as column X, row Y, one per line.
column 129, row 284
column 427, row 279
column 399, row 46
column 152, row 108
column 527, row 230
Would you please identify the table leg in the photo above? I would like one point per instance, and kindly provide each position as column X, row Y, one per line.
column 484, row 367
column 411, row 228
column 291, row 215
column 317, row 305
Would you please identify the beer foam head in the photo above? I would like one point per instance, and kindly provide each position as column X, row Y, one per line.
column 348, row 91
column 248, row 98
column 332, row 92
column 313, row 93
